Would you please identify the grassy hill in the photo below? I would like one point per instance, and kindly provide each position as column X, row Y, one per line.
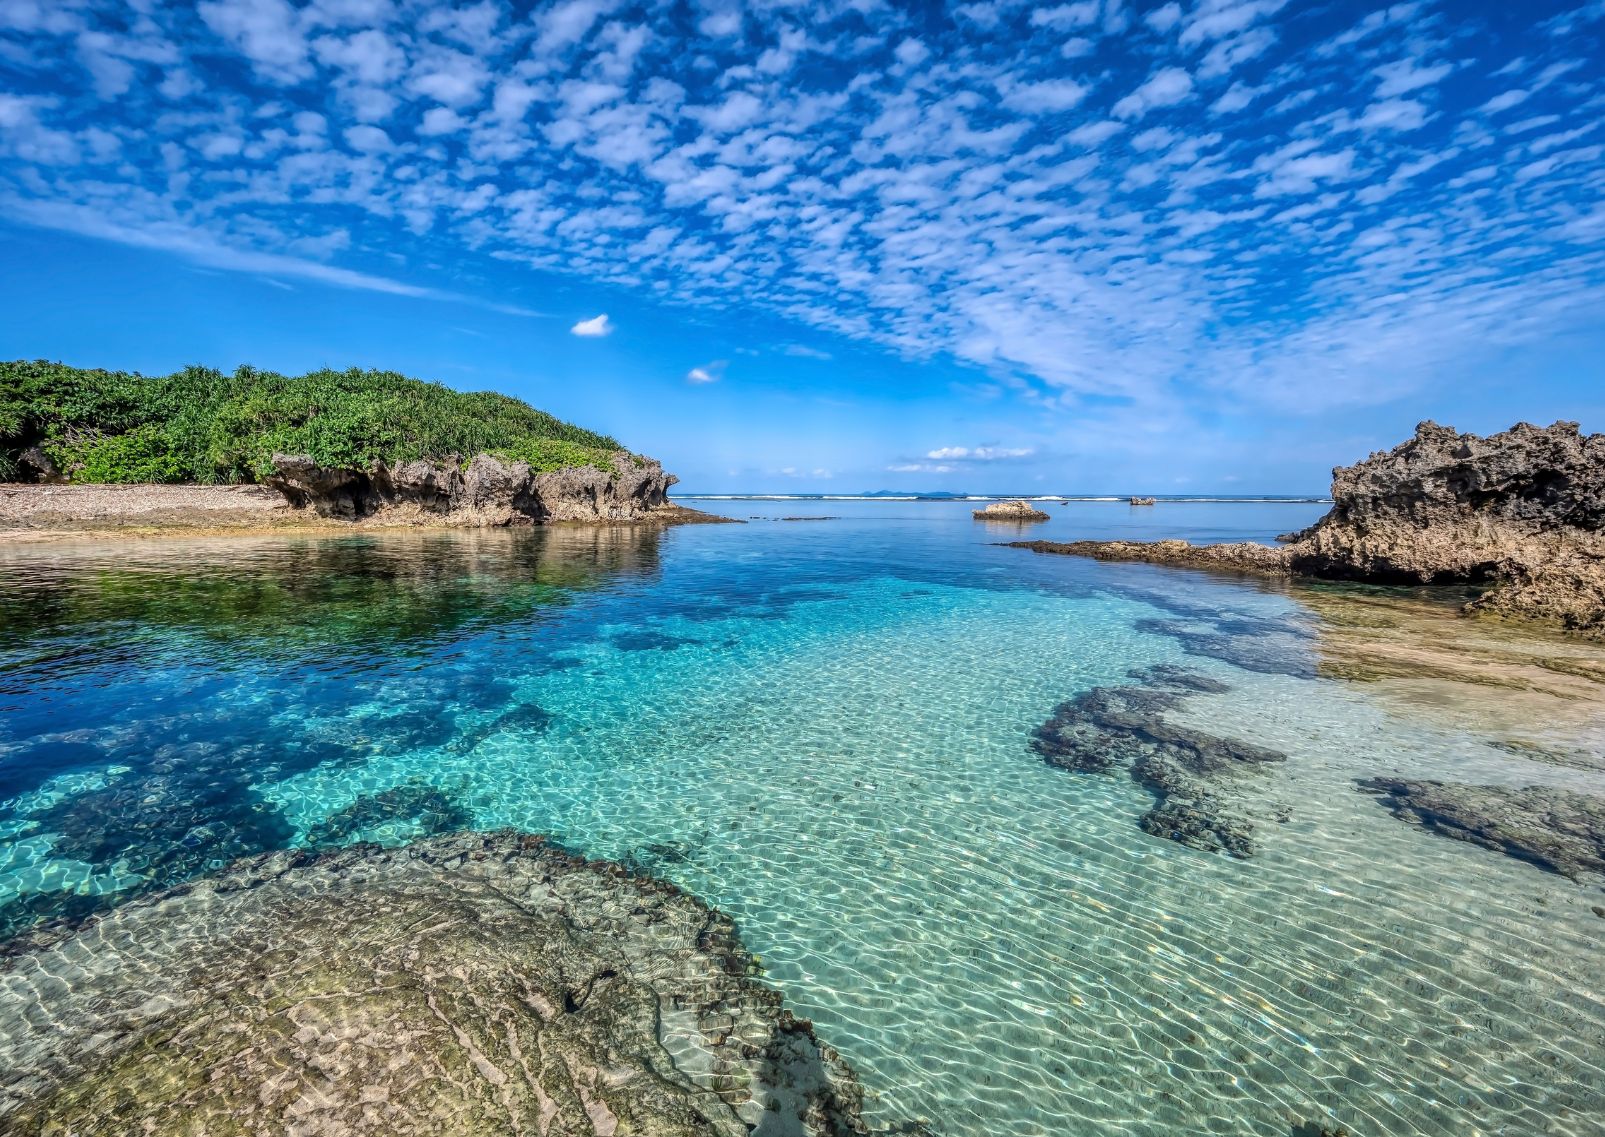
column 200, row 425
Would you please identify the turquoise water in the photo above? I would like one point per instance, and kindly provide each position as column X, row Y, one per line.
column 823, row 727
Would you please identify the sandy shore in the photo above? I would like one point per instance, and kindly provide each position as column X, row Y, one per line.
column 58, row 513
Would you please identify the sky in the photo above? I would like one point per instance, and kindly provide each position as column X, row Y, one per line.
column 1099, row 246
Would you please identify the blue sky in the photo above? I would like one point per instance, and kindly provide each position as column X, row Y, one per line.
column 1104, row 245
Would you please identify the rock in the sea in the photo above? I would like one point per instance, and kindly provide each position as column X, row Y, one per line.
column 469, row 985
column 1522, row 512
column 1446, row 507
column 1558, row 829
column 488, row 491
column 1010, row 511
column 1188, row 772
column 1236, row 557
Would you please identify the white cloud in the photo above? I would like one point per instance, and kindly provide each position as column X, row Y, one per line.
column 979, row 453
column 1393, row 114
column 707, row 373
column 595, row 326
column 1405, row 75
column 1505, row 101
column 1164, row 88
column 267, row 32
column 1047, row 97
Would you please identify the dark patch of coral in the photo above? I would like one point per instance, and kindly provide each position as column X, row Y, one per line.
column 1189, row 772
column 1560, row 830
column 431, row 809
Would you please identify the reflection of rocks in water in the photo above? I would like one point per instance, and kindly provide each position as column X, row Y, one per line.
column 1188, row 771
column 278, row 598
column 1557, row 829
column 471, row 984
column 432, row 811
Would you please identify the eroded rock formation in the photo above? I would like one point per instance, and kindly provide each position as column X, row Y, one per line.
column 1010, row 511
column 468, row 984
column 1522, row 512
column 1560, row 830
column 1188, row 772
column 487, row 491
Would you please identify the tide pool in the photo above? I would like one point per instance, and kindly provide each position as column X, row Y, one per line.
column 824, row 728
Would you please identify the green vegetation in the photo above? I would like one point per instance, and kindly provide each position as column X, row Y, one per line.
column 200, row 425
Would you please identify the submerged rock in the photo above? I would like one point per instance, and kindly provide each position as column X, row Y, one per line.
column 1010, row 511
column 1189, row 772
column 1238, row 556
column 1560, row 830
column 1522, row 511
column 471, row 984
column 488, row 491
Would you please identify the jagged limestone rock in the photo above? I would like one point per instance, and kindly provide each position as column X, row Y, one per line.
column 488, row 491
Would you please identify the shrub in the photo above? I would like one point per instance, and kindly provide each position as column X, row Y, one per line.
column 200, row 425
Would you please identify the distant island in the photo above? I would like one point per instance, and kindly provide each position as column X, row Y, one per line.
column 344, row 445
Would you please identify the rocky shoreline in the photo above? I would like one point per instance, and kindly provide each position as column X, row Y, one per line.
column 473, row 983
column 1520, row 513
column 487, row 493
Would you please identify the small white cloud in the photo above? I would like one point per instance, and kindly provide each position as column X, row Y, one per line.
column 803, row 351
column 701, row 375
column 979, row 453
column 595, row 326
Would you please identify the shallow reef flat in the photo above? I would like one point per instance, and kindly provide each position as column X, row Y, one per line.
column 486, row 984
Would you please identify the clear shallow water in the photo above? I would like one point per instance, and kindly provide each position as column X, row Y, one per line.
column 822, row 727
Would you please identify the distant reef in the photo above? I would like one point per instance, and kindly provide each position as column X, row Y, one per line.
column 347, row 445
column 1521, row 512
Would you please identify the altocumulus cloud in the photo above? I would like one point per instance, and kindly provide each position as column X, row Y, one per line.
column 1294, row 204
column 595, row 326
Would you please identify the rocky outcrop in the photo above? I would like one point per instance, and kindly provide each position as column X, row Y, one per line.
column 1189, row 772
column 1522, row 512
column 468, row 984
column 1010, row 511
column 1557, row 829
column 1239, row 556
column 488, row 491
